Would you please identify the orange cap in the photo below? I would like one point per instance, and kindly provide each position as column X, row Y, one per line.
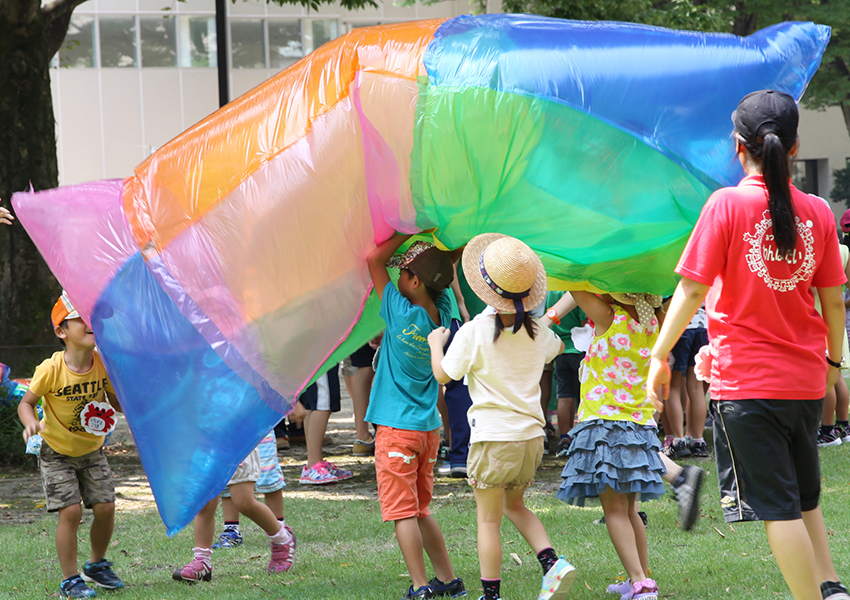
column 63, row 309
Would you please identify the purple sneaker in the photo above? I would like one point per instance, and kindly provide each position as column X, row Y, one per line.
column 340, row 474
column 621, row 589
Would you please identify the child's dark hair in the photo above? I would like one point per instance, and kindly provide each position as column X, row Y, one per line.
column 527, row 322
column 773, row 156
column 432, row 293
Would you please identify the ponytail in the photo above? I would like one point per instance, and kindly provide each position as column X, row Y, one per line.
column 774, row 167
column 527, row 322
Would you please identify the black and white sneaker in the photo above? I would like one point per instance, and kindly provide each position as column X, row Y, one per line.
column 698, row 449
column 678, row 450
column 834, row 590
column 687, row 495
column 828, row 437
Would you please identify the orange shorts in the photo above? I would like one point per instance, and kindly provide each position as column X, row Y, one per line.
column 404, row 465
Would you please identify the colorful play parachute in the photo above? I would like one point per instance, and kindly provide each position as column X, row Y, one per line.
column 229, row 269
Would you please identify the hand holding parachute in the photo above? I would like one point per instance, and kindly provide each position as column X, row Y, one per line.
column 230, row 268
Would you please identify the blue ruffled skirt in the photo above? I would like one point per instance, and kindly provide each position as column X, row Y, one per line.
column 620, row 454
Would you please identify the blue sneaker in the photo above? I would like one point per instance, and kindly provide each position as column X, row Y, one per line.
column 228, row 539
column 75, row 587
column 423, row 593
column 452, row 589
column 558, row 581
column 101, row 574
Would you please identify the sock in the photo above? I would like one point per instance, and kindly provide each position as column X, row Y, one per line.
column 679, row 441
column 204, row 555
column 231, row 526
column 281, row 521
column 281, row 537
column 564, row 436
column 680, row 479
column 547, row 558
column 491, row 588
column 697, row 440
column 826, row 428
column 844, row 424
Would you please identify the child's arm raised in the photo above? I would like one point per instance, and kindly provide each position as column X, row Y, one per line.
column 563, row 306
column 437, row 340
column 26, row 413
column 596, row 309
column 377, row 261
column 113, row 400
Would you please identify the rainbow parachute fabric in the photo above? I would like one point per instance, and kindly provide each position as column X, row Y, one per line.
column 229, row 270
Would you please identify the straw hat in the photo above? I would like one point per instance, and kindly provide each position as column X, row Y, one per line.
column 504, row 272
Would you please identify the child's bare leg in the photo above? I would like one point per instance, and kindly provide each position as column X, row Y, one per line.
column 359, row 387
column 566, row 415
column 697, row 407
column 66, row 539
column 816, row 529
column 274, row 500
column 489, row 504
column 101, row 529
column 435, row 547
column 792, row 549
column 526, row 522
column 228, row 510
column 640, row 533
column 245, row 502
column 842, row 399
column 410, row 542
column 443, row 409
column 618, row 510
column 673, row 406
column 315, row 426
column 204, row 525
column 673, row 469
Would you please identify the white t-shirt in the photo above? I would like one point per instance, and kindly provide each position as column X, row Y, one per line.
column 504, row 378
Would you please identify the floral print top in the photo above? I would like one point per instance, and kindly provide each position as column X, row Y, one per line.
column 613, row 373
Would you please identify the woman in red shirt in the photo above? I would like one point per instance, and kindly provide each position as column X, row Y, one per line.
column 755, row 254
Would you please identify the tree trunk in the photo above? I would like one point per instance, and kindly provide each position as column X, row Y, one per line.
column 27, row 155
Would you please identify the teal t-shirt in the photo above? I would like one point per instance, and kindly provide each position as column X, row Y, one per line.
column 574, row 318
column 404, row 393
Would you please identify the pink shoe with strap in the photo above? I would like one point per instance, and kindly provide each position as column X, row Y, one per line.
column 643, row 590
column 283, row 554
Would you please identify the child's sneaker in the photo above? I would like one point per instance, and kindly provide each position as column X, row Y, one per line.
column 698, row 449
column 687, row 495
column 833, row 590
column 101, row 574
column 643, row 590
column 228, row 539
column 844, row 433
column 194, row 572
column 283, row 554
column 828, row 437
column 564, row 446
column 362, row 448
column 452, row 589
column 340, row 474
column 558, row 580
column 318, row 474
column 677, row 450
column 75, row 587
column 426, row 592
column 621, row 589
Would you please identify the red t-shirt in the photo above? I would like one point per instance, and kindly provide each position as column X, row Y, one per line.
column 767, row 339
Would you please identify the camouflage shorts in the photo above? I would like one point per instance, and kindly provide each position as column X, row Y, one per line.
column 67, row 480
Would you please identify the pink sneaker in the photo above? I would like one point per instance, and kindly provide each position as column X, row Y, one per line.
column 282, row 554
column 643, row 590
column 318, row 474
column 194, row 572
column 334, row 470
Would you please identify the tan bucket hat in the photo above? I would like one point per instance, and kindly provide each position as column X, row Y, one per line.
column 505, row 273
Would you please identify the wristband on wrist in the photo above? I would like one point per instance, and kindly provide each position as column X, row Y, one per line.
column 833, row 363
column 553, row 316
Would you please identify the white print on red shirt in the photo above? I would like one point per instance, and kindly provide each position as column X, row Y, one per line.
column 98, row 418
column 763, row 250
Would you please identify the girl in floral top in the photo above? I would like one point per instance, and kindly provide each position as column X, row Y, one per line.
column 614, row 454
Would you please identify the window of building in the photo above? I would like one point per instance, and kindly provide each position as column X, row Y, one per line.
column 247, row 44
column 159, row 46
column 197, row 42
column 117, row 41
column 804, row 175
column 285, row 46
column 78, row 48
column 317, row 32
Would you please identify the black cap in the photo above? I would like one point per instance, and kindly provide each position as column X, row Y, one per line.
column 765, row 111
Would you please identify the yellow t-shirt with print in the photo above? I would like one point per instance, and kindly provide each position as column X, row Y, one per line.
column 67, row 396
column 613, row 374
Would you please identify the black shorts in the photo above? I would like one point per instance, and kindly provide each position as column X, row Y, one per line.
column 686, row 349
column 566, row 374
column 363, row 356
column 324, row 394
column 767, row 458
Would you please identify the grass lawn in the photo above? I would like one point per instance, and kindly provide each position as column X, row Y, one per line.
column 346, row 552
